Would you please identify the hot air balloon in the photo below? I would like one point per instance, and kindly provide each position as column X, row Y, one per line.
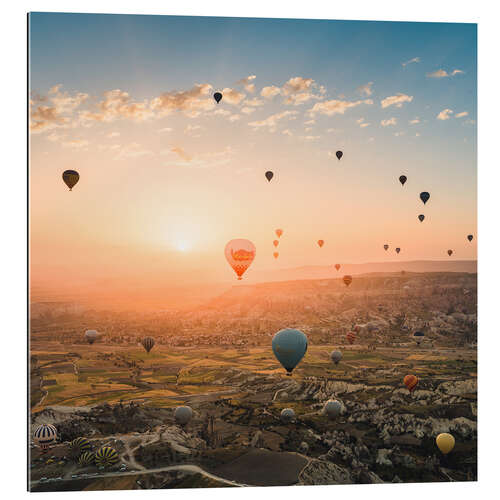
column 70, row 178
column 411, row 382
column 217, row 97
column 469, row 237
column 347, row 279
column 287, row 415
column 269, row 175
column 321, row 243
column 351, row 337
column 276, row 243
column 78, row 446
column 418, row 336
column 421, row 217
column 332, row 409
column 289, row 346
column 275, row 255
column 183, row 415
column 386, row 247
column 450, row 252
column 45, row 435
column 279, row 232
column 398, row 250
column 85, row 459
column 240, row 254
column 339, row 154
column 91, row 336
column 356, row 329
column 403, row 179
column 445, row 442
column 424, row 196
column 106, row 457
column 148, row 343
column 336, row 356
column 337, row 266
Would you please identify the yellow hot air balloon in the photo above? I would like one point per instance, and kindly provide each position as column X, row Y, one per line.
column 445, row 442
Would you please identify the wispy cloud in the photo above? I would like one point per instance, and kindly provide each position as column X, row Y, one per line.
column 445, row 114
column 76, row 144
column 247, row 83
column 388, row 122
column 335, row 106
column 411, row 61
column 441, row 73
column 461, row 114
column 177, row 156
column 271, row 122
column 133, row 150
column 415, row 121
column 366, row 89
column 270, row 92
column 191, row 102
column 396, row 100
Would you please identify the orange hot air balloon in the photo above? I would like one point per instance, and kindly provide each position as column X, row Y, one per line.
column 347, row 280
column 337, row 266
column 275, row 254
column 411, row 382
column 275, row 243
column 351, row 337
column 279, row 232
column 321, row 243
column 450, row 252
column 240, row 253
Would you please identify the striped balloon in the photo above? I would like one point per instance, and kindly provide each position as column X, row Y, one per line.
column 411, row 382
column 87, row 458
column 79, row 445
column 351, row 337
column 148, row 343
column 45, row 435
column 106, row 457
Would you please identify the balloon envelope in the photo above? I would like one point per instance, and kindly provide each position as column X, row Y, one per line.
column 386, row 247
column 450, row 252
column 279, row 232
column 424, row 196
column 411, row 382
column 45, row 435
column 287, row 415
column 469, row 237
column 91, row 336
column 106, row 457
column 421, row 217
column 240, row 253
column 332, row 409
column 339, row 154
column 321, row 243
column 351, row 337
column 336, row 356
column 70, row 178
column 398, row 250
column 445, row 442
column 276, row 243
column 183, row 415
column 289, row 346
column 148, row 343
column 276, row 255
column 269, row 175
column 347, row 279
column 402, row 179
column 217, row 97
column 337, row 266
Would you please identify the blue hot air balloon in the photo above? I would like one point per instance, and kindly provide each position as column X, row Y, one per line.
column 289, row 347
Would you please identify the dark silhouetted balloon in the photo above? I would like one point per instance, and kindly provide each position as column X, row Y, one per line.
column 289, row 346
column 91, row 336
column 418, row 336
column 339, row 154
column 386, row 247
column 398, row 250
column 269, row 175
column 148, row 343
column 424, row 196
column 421, row 217
column 336, row 356
column 70, row 178
column 217, row 97
column 469, row 237
column 450, row 252
column 347, row 279
column 183, row 415
column 403, row 179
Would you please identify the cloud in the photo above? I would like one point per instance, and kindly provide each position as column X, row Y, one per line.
column 390, row 121
column 462, row 114
column 234, row 118
column 232, row 96
column 191, row 128
column 76, row 144
column 55, row 137
column 270, row 92
column 287, row 132
column 165, row 129
column 133, row 150
column 255, row 102
column 310, row 138
column 249, row 87
column 441, row 73
column 113, row 134
column 247, row 110
column 411, row 61
column 272, row 121
column 298, row 90
column 366, row 89
column 181, row 153
column 191, row 102
column 415, row 121
column 398, row 134
column 177, row 156
column 445, row 114
column 223, row 112
column 310, row 122
column 364, row 124
column 396, row 100
column 335, row 106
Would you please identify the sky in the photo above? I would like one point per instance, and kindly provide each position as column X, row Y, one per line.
column 167, row 176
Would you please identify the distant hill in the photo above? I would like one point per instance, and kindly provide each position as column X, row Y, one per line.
column 322, row 272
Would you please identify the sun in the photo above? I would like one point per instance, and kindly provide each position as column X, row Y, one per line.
column 182, row 246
